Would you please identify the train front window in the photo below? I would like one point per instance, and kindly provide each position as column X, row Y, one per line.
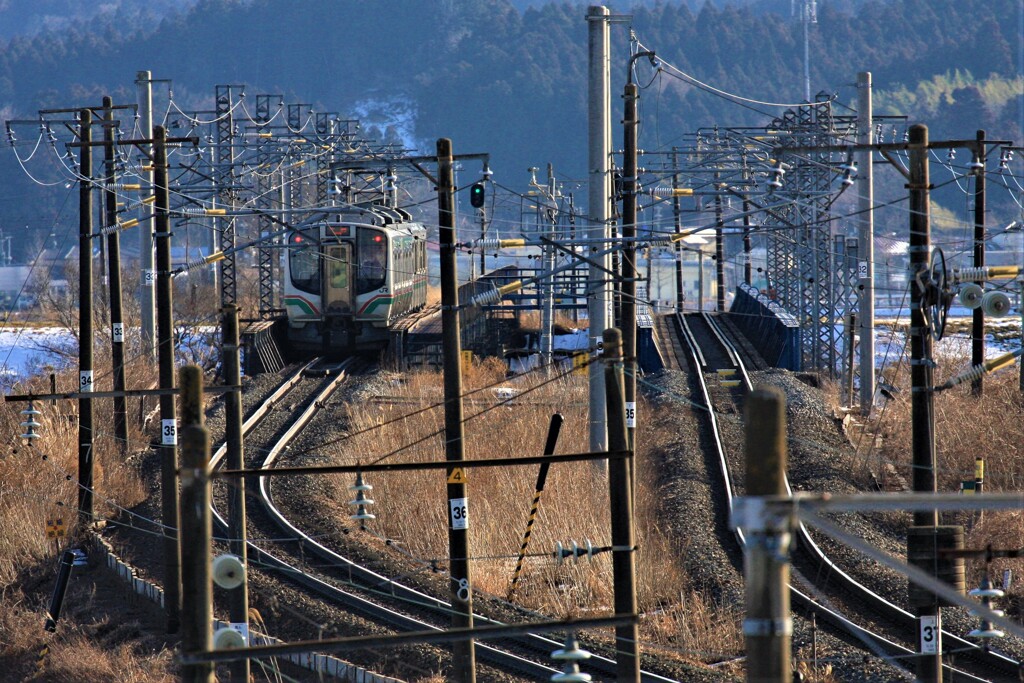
column 372, row 250
column 304, row 263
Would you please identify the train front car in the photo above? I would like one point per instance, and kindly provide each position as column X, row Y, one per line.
column 347, row 282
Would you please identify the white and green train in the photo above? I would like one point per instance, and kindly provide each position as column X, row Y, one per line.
column 350, row 278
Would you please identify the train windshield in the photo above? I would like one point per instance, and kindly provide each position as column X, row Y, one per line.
column 372, row 251
column 304, row 263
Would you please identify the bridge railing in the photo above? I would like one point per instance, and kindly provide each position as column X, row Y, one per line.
column 773, row 331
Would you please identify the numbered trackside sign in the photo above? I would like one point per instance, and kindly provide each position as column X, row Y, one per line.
column 458, row 513
column 148, row 277
column 862, row 270
column 631, row 414
column 169, row 432
column 457, row 476
column 931, row 634
column 85, row 381
column 117, row 333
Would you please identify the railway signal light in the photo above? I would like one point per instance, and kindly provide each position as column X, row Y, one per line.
column 476, row 195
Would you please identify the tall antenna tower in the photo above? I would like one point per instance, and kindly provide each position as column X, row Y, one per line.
column 808, row 11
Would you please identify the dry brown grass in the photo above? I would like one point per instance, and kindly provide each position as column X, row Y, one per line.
column 74, row 654
column 38, row 483
column 966, row 426
column 410, row 507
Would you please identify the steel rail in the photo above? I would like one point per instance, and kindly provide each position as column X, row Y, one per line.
column 377, row 582
column 989, row 659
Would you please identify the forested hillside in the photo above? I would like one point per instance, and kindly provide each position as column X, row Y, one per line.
column 511, row 81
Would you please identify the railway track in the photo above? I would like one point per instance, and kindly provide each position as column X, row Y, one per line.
column 346, row 582
column 705, row 348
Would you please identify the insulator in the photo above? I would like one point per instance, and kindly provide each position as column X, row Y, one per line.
column 193, row 265
column 361, row 499
column 30, row 425
column 484, row 298
column 498, row 243
column 986, row 633
column 974, row 373
column 573, row 550
column 192, row 211
column 975, row 167
column 986, row 273
column 976, row 614
column 572, row 655
column 971, row 294
column 560, row 552
column 361, row 515
column 360, row 485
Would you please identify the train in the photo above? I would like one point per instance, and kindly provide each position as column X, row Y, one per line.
column 349, row 278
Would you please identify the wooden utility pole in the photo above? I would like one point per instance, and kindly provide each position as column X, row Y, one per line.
column 165, row 351
column 620, row 493
column 196, row 528
column 929, row 662
column 85, row 321
column 628, row 284
column 238, row 598
column 114, row 272
column 464, row 652
column 768, row 627
column 978, row 317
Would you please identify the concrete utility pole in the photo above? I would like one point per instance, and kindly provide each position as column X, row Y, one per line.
column 768, row 627
column 866, row 242
column 144, row 88
column 114, row 271
column 85, row 320
column 463, row 651
column 599, row 190
column 978, row 319
column 929, row 661
column 168, row 418
column 547, row 284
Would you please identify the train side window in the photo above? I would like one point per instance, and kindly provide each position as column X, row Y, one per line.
column 372, row 250
column 304, row 263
